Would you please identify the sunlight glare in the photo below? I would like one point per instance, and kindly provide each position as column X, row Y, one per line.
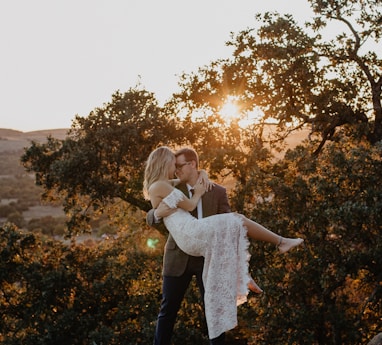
column 230, row 109
column 152, row 242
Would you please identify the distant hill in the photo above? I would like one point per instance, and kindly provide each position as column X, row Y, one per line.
column 13, row 140
column 59, row 133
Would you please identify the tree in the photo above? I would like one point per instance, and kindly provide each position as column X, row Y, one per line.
column 102, row 159
column 329, row 292
column 295, row 79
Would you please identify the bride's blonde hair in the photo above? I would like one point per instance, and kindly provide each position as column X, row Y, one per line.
column 157, row 167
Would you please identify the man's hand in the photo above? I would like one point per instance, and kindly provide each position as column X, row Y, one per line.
column 163, row 210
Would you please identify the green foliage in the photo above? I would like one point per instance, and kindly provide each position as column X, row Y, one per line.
column 102, row 159
column 330, row 291
column 107, row 294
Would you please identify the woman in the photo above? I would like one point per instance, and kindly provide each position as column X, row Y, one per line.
column 221, row 239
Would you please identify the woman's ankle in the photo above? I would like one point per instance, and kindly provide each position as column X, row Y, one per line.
column 286, row 244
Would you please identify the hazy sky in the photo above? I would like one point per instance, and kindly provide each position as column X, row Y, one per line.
column 60, row 58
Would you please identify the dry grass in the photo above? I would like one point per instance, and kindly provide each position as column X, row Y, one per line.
column 15, row 141
column 41, row 211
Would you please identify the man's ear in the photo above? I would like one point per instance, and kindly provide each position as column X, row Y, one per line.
column 193, row 163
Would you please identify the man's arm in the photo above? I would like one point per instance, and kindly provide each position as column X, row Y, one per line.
column 155, row 223
column 150, row 218
column 154, row 217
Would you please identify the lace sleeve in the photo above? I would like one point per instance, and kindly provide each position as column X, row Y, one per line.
column 173, row 198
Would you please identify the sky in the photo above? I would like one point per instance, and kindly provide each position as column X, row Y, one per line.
column 60, row 58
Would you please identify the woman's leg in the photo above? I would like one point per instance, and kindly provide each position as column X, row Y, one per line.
column 260, row 233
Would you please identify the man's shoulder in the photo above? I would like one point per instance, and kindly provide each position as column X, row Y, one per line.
column 219, row 188
column 217, row 191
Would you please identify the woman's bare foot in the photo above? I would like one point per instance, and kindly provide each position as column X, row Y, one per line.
column 254, row 287
column 288, row 243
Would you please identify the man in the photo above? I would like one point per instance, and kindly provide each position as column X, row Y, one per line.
column 178, row 267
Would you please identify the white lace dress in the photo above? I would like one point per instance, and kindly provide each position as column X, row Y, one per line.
column 222, row 240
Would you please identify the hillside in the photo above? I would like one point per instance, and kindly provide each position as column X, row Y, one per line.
column 20, row 200
column 12, row 140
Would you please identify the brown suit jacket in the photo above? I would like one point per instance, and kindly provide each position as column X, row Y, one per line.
column 174, row 259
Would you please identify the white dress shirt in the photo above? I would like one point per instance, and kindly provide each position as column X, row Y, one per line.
column 199, row 208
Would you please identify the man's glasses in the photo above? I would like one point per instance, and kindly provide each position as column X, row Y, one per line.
column 180, row 166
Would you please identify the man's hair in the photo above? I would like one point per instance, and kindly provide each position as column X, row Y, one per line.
column 189, row 154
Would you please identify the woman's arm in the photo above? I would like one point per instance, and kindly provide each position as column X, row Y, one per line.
column 190, row 204
column 159, row 190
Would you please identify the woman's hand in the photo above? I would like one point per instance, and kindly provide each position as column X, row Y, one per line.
column 204, row 180
column 199, row 188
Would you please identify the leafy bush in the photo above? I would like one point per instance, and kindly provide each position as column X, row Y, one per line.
column 328, row 292
column 51, row 293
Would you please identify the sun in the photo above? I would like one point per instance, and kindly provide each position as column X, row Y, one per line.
column 233, row 111
column 230, row 109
